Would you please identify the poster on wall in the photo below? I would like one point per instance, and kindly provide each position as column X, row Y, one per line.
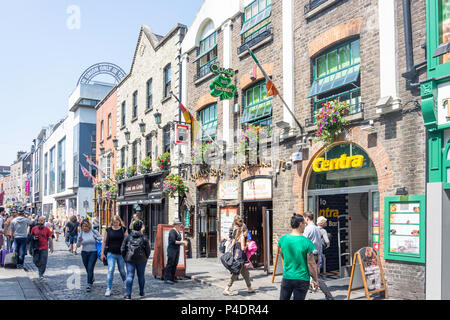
column 405, row 228
column 228, row 190
column 257, row 189
column 226, row 220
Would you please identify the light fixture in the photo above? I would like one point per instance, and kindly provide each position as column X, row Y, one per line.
column 442, row 49
column 283, row 125
column 127, row 135
column 157, row 116
column 115, row 143
column 401, row 191
column 142, row 126
column 102, row 149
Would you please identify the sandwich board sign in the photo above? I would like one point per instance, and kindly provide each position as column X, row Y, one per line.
column 279, row 265
column 367, row 273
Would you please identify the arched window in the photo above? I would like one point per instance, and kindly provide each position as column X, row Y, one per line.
column 208, row 119
column 207, row 50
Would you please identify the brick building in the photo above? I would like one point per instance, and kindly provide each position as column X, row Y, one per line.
column 146, row 115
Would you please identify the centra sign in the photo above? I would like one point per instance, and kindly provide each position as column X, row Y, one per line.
column 344, row 162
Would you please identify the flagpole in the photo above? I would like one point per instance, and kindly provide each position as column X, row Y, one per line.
column 266, row 76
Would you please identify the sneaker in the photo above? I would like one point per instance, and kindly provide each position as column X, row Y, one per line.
column 108, row 293
column 127, row 297
column 169, row 282
column 142, row 294
column 88, row 288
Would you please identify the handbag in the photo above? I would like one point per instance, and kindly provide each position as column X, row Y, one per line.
column 249, row 265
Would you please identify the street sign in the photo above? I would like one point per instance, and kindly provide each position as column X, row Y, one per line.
column 182, row 133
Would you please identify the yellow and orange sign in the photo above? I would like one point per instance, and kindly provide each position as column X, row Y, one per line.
column 344, row 162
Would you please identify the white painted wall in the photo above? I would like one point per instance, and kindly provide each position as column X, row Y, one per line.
column 288, row 60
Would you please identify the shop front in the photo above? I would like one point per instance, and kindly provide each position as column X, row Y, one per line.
column 144, row 195
column 207, row 221
column 343, row 187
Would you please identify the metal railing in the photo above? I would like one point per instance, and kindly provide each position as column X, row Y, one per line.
column 256, row 38
column 204, row 70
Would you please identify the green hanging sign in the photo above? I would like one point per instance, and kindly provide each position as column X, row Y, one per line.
column 222, row 87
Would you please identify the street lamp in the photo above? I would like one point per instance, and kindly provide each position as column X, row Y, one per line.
column 157, row 116
column 142, row 127
column 115, row 143
column 127, row 135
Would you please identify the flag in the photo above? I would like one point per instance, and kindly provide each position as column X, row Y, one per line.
column 85, row 172
column 271, row 89
column 91, row 163
column 189, row 118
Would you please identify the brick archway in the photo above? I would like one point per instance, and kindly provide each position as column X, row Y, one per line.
column 366, row 142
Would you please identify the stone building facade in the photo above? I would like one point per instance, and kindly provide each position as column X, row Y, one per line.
column 146, row 115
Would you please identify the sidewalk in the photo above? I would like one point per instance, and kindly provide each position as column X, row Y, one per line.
column 16, row 285
column 210, row 271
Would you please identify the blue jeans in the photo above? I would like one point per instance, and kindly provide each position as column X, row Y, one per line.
column 21, row 249
column 89, row 260
column 112, row 259
column 292, row 286
column 139, row 267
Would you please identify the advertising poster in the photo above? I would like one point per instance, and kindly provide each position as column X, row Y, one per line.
column 226, row 220
column 404, row 228
column 228, row 190
column 257, row 189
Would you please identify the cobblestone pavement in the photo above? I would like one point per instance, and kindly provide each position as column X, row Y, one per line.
column 60, row 282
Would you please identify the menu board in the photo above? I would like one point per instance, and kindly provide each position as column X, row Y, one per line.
column 226, row 220
column 405, row 227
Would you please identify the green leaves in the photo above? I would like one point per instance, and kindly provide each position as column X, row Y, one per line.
column 222, row 87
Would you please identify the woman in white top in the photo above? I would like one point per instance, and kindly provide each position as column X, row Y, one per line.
column 88, row 240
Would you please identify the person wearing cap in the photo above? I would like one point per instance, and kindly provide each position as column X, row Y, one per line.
column 173, row 252
column 19, row 229
column 135, row 250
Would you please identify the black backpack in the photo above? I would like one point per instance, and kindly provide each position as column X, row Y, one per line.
column 136, row 248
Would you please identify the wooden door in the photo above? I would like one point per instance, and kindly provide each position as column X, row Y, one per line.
column 253, row 220
column 212, row 233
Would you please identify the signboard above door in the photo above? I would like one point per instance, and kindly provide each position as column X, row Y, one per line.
column 257, row 189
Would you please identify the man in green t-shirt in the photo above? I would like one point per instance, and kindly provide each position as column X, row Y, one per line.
column 299, row 264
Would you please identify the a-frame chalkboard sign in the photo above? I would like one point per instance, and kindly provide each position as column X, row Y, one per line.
column 279, row 265
column 367, row 273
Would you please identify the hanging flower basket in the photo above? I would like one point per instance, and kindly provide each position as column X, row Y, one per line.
column 120, row 174
column 145, row 166
column 164, row 161
column 112, row 193
column 131, row 171
column 173, row 185
column 330, row 121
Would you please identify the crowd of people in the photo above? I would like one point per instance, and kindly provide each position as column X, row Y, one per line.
column 129, row 248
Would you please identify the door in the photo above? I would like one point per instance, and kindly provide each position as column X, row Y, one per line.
column 212, row 232
column 202, row 232
column 253, row 218
column 156, row 218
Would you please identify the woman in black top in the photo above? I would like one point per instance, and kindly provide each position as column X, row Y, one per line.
column 173, row 252
column 112, row 241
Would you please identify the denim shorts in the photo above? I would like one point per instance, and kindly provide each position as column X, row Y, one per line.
column 73, row 239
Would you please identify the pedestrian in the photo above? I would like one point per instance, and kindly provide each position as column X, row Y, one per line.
column 72, row 234
column 8, row 232
column 135, row 250
column 2, row 226
column 173, row 252
column 57, row 232
column 112, row 242
column 240, row 246
column 88, row 240
column 95, row 224
column 136, row 217
column 321, row 223
column 43, row 235
column 19, row 229
column 63, row 225
column 299, row 265
column 312, row 232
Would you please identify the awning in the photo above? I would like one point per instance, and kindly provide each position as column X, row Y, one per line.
column 263, row 15
column 205, row 53
column 257, row 111
column 335, row 80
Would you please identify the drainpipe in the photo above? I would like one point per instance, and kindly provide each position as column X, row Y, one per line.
column 411, row 73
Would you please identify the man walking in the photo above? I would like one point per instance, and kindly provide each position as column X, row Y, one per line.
column 2, row 225
column 19, row 230
column 72, row 234
column 312, row 232
column 43, row 236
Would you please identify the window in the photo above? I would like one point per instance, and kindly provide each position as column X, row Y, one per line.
column 257, row 107
column 52, row 171
column 257, row 19
column 123, row 113
column 166, row 139
column 46, row 174
column 148, row 146
column 135, row 104
column 207, row 54
column 149, row 94
column 208, row 119
column 134, row 150
column 336, row 76
column 102, row 128
column 108, row 166
column 122, row 157
column 109, row 125
column 167, row 80
column 444, row 28
column 62, row 165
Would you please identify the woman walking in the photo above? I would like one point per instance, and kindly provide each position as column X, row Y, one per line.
column 240, row 245
column 88, row 240
column 112, row 241
column 173, row 252
column 135, row 250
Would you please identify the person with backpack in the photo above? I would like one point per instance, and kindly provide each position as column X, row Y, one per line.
column 43, row 236
column 88, row 239
column 19, row 229
column 173, row 252
column 239, row 246
column 135, row 250
column 112, row 242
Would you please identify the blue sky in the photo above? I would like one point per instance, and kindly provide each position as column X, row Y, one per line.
column 42, row 55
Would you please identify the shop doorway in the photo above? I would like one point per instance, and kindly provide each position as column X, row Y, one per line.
column 208, row 231
column 254, row 218
column 349, row 199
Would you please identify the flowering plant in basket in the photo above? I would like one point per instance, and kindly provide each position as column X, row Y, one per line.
column 174, row 184
column 164, row 161
column 330, row 121
column 146, row 165
column 120, row 174
column 131, row 171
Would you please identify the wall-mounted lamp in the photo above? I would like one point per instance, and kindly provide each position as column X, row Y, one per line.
column 401, row 191
column 157, row 116
column 142, row 127
column 115, row 142
column 127, row 135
